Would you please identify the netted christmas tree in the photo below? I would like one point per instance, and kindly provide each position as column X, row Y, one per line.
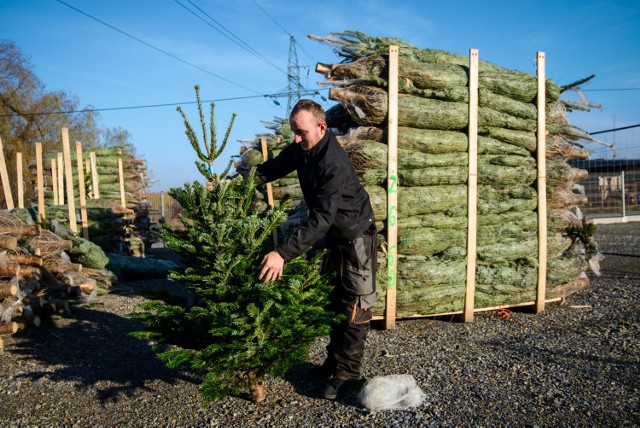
column 238, row 329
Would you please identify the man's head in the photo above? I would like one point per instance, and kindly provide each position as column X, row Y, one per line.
column 308, row 123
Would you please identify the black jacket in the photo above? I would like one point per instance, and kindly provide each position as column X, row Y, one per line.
column 339, row 207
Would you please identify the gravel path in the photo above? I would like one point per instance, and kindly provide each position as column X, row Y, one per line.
column 576, row 364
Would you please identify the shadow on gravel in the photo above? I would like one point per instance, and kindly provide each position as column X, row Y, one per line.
column 298, row 377
column 93, row 350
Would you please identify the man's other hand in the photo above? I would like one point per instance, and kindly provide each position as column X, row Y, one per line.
column 271, row 267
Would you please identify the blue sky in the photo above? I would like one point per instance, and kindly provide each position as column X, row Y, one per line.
column 107, row 69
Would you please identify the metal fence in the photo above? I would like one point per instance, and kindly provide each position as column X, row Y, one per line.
column 163, row 208
column 613, row 185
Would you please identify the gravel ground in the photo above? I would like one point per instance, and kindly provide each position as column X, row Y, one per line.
column 576, row 364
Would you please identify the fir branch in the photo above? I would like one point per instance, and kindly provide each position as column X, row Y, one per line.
column 203, row 123
column 191, row 135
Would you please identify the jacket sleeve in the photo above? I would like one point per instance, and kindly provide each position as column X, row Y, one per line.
column 277, row 167
column 327, row 201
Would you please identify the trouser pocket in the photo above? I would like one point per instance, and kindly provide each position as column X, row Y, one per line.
column 357, row 269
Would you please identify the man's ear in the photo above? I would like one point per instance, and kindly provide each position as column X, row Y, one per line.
column 323, row 126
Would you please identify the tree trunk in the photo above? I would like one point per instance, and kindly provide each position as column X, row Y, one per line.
column 256, row 387
column 9, row 328
column 8, row 290
column 8, row 242
column 25, row 259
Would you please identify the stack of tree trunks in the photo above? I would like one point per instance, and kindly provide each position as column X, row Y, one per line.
column 433, row 170
column 37, row 279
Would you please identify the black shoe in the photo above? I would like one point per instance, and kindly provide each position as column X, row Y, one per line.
column 322, row 372
column 333, row 388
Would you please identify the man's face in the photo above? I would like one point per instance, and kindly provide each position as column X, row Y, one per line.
column 308, row 131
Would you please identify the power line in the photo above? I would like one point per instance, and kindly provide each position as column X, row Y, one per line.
column 157, row 48
column 615, row 129
column 271, row 17
column 231, row 36
column 87, row 110
column 282, row 28
column 612, row 89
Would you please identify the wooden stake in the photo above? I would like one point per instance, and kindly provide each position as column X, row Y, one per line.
column 265, row 156
column 87, row 171
column 60, row 179
column 54, row 182
column 95, row 179
column 19, row 178
column 472, row 189
column 40, row 181
column 542, row 186
column 392, row 191
column 81, row 189
column 4, row 175
column 123, row 200
column 71, row 201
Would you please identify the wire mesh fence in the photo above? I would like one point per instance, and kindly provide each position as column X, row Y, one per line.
column 613, row 185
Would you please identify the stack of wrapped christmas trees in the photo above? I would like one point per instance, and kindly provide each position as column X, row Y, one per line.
column 123, row 230
column 433, row 171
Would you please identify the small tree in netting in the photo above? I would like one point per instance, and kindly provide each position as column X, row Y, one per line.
column 238, row 329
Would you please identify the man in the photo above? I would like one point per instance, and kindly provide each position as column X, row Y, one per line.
column 340, row 211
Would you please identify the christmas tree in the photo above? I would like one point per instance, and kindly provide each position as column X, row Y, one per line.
column 237, row 329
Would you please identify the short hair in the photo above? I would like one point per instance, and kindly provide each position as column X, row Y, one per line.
column 312, row 107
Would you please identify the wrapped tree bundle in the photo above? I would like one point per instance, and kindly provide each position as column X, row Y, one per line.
column 432, row 171
column 113, row 228
column 367, row 105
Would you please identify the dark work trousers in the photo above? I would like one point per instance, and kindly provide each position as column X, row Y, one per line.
column 353, row 295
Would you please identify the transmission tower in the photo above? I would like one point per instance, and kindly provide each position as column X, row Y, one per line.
column 293, row 71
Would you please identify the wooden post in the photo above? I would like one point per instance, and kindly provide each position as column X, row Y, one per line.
column 60, row 179
column 472, row 188
column 4, row 175
column 87, row 171
column 542, row 186
column 162, row 205
column 19, row 178
column 392, row 192
column 68, row 172
column 95, row 179
column 54, row 182
column 123, row 200
column 82, row 190
column 265, row 156
column 40, row 180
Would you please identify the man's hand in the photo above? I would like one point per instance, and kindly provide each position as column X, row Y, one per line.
column 271, row 267
column 210, row 183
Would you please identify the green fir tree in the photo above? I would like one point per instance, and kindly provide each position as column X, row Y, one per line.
column 238, row 329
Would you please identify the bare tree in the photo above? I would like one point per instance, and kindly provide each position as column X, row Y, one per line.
column 29, row 113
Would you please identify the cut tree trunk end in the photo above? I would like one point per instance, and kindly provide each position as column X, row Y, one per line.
column 9, row 328
column 256, row 387
column 8, row 290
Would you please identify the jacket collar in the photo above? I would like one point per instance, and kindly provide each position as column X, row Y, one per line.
column 318, row 147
